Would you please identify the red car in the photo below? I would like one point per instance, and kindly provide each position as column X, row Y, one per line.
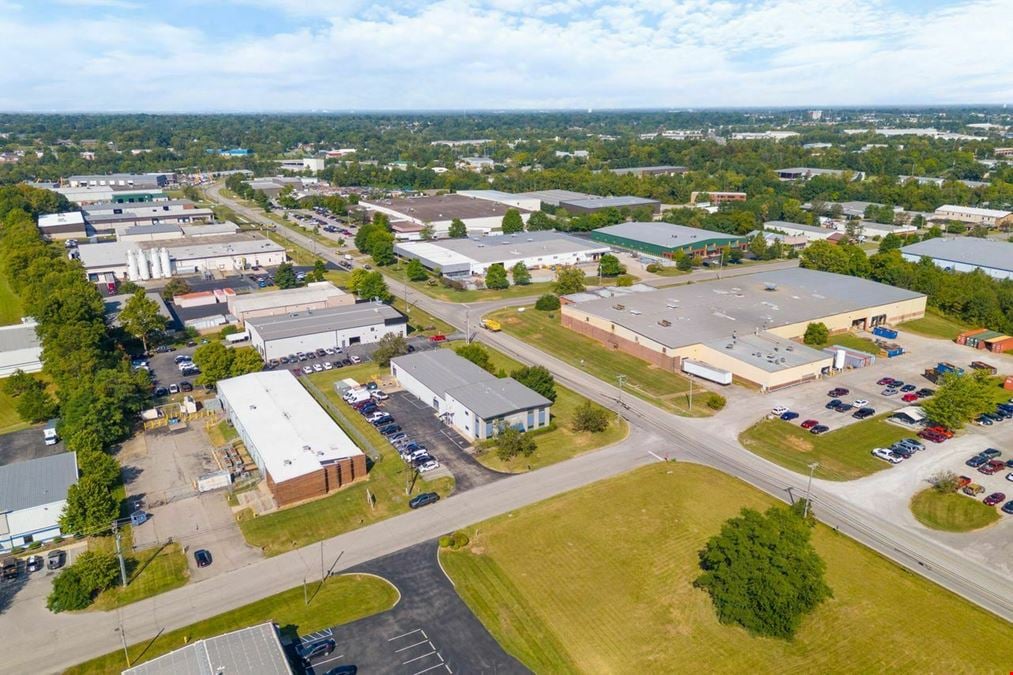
column 438, row 338
column 909, row 398
column 942, row 431
column 995, row 466
column 809, row 424
column 885, row 381
column 994, row 498
column 838, row 392
column 931, row 436
column 962, row 482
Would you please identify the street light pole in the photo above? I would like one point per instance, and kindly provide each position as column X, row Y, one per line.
column 622, row 383
column 809, row 488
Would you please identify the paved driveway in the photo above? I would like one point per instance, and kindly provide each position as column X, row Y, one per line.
column 430, row 630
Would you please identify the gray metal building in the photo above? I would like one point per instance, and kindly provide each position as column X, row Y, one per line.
column 284, row 334
column 965, row 254
column 256, row 649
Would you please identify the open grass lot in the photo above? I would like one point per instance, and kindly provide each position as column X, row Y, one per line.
column 843, row 454
column 341, row 600
column 421, row 322
column 439, row 292
column 9, row 418
column 662, row 388
column 951, row 511
column 10, row 303
column 562, row 442
column 347, row 509
column 617, row 597
column 852, row 341
column 150, row 572
column 935, row 325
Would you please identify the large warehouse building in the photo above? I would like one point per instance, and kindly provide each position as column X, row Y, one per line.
column 595, row 204
column 284, row 334
column 300, row 451
column 32, row 496
column 965, row 254
column 665, row 239
column 465, row 257
column 975, row 215
column 470, row 399
column 745, row 325
column 409, row 214
column 313, row 296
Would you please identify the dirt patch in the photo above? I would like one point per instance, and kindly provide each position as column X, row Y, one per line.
column 799, row 444
column 511, row 321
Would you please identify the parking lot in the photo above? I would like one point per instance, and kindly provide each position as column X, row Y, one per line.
column 430, row 630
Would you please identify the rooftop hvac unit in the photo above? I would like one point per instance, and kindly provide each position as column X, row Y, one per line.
column 665, row 322
column 769, row 286
column 619, row 307
column 635, row 312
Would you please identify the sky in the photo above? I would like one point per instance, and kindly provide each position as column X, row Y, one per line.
column 341, row 55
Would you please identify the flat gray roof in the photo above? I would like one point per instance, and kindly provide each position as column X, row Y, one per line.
column 37, row 482
column 316, row 321
column 767, row 351
column 157, row 228
column 553, row 197
column 608, row 202
column 496, row 248
column 713, row 310
column 18, row 336
column 666, row 235
column 256, row 649
column 443, row 207
column 966, row 250
column 782, row 224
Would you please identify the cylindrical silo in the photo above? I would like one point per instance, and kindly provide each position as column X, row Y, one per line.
column 132, row 273
column 166, row 265
column 142, row 265
column 156, row 264
column 840, row 358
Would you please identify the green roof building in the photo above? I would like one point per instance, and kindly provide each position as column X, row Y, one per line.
column 665, row 239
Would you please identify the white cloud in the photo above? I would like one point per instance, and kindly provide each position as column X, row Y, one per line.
column 511, row 53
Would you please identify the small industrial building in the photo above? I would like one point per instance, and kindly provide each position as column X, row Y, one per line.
column 114, row 305
column 965, row 254
column 256, row 649
column 300, row 451
column 311, row 297
column 32, row 496
column 143, row 260
column 94, row 194
column 472, row 400
column 808, row 172
column 313, row 164
column 810, row 232
column 480, row 216
column 127, row 180
column 63, row 226
column 717, row 197
column 284, row 334
column 659, row 170
column 473, row 256
column 665, row 239
column 745, row 325
column 992, row 218
column 869, row 229
column 20, row 348
column 595, row 204
column 112, row 217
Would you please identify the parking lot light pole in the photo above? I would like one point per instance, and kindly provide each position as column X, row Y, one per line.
column 622, row 382
column 808, row 491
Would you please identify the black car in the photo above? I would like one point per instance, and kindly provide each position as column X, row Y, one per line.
column 390, row 429
column 55, row 559
column 160, row 391
column 901, row 450
column 203, row 557
column 925, row 392
column 314, row 650
column 185, row 386
column 976, row 461
column 383, row 420
column 845, row 407
column 991, row 453
column 908, row 387
column 833, row 404
column 862, row 413
column 424, row 499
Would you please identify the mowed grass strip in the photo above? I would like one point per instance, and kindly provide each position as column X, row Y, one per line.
column 9, row 418
column 843, row 454
column 341, row 600
column 852, row 341
column 10, row 304
column 441, row 292
column 662, row 388
column 599, row 580
column 951, row 511
column 935, row 325
column 151, row 572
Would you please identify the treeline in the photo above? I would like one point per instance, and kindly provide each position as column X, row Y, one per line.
column 99, row 394
column 971, row 297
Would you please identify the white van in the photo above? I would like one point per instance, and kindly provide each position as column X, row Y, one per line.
column 49, row 433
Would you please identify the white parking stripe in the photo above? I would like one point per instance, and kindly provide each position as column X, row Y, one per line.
column 421, row 642
column 327, row 660
column 418, row 657
column 438, row 665
column 411, row 632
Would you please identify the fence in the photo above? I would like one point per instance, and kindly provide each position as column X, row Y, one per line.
column 342, row 420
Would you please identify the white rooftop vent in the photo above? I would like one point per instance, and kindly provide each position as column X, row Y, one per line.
column 770, row 286
column 635, row 312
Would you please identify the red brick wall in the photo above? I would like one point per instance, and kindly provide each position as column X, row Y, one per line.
column 671, row 363
column 319, row 483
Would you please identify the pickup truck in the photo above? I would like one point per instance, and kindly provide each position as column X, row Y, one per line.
column 10, row 569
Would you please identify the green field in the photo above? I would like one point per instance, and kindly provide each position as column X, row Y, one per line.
column 346, row 509
column 662, row 388
column 951, row 511
column 341, row 600
column 421, row 321
column 935, row 325
column 150, row 572
column 9, row 418
column 852, row 341
column 11, row 310
column 843, row 454
column 599, row 580
column 438, row 291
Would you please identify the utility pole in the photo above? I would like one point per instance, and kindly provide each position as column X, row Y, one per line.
column 690, row 375
column 467, row 320
column 321, row 561
column 123, row 638
column 808, row 491
column 119, row 553
column 622, row 383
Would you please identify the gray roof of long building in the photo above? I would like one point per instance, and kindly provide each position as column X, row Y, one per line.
column 156, row 228
column 783, row 224
column 315, row 321
column 662, row 234
column 498, row 397
column 713, row 310
column 18, row 336
column 36, row 482
column 606, row 202
column 967, row 250
column 256, row 649
column 498, row 247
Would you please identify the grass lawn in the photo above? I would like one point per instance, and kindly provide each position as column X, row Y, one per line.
column 453, row 295
column 662, row 388
column 562, row 442
column 341, row 600
column 10, row 304
column 149, row 572
column 347, row 509
column 563, row 596
column 951, row 511
column 421, row 321
column 9, row 418
column 222, row 433
column 935, row 325
column 843, row 454
column 852, row 341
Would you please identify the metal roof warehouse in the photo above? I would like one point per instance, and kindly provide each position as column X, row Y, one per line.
column 965, row 254
column 664, row 239
column 256, row 649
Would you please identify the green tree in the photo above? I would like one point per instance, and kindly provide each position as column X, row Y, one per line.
column 215, row 362
column 478, row 355
column 415, row 271
column 758, row 246
column 99, row 464
column 319, row 270
column 69, row 593
column 512, row 222
column 373, row 286
column 683, row 262
column 890, row 242
column 520, row 273
column 356, row 278
column 389, row 346
column 763, row 573
column 457, row 230
column 35, row 405
column 609, row 266
column 960, row 398
column 245, row 360
column 540, row 221
column 91, row 507
column 98, row 570
column 590, row 417
column 510, row 443
column 735, row 255
column 284, row 276
column 547, row 303
column 19, row 382
column 816, row 334
column 538, row 379
column 175, row 286
column 381, row 248
column 569, row 280
column 496, row 277
column 141, row 317
column 427, row 233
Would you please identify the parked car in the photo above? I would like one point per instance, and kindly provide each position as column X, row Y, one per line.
column 994, row 498
column 809, row 424
column 912, row 443
column 884, row 381
column 943, row 431
column 908, row 388
column 976, row 461
column 438, row 338
column 962, row 482
column 973, row 490
column 185, row 386
column 990, row 453
column 778, row 410
column 897, row 384
column 55, row 559
column 837, row 392
column 925, row 392
column 379, row 395
column 160, row 391
column 993, row 467
column 863, row 413
column 886, row 455
column 394, row 438
column 35, row 563
column 314, row 650
column 860, row 403
column 833, row 403
column 306, row 370
column 931, row 436
column 890, row 391
column 389, row 430
column 431, row 465
column 202, row 557
column 844, row 407
column 423, row 499
column 819, row 429
column 983, row 420
column 789, row 415
column 1008, row 507
column 174, row 388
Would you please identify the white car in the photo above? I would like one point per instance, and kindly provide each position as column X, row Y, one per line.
column 860, row 403
column 354, row 359
column 429, row 466
column 329, row 351
column 379, row 395
column 886, row 455
column 173, row 388
column 328, row 365
column 779, row 410
column 307, row 370
column 1009, row 477
column 317, row 367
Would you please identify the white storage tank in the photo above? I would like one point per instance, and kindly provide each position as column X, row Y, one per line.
column 142, row 265
column 132, row 272
column 840, row 357
column 156, row 264
column 163, row 253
